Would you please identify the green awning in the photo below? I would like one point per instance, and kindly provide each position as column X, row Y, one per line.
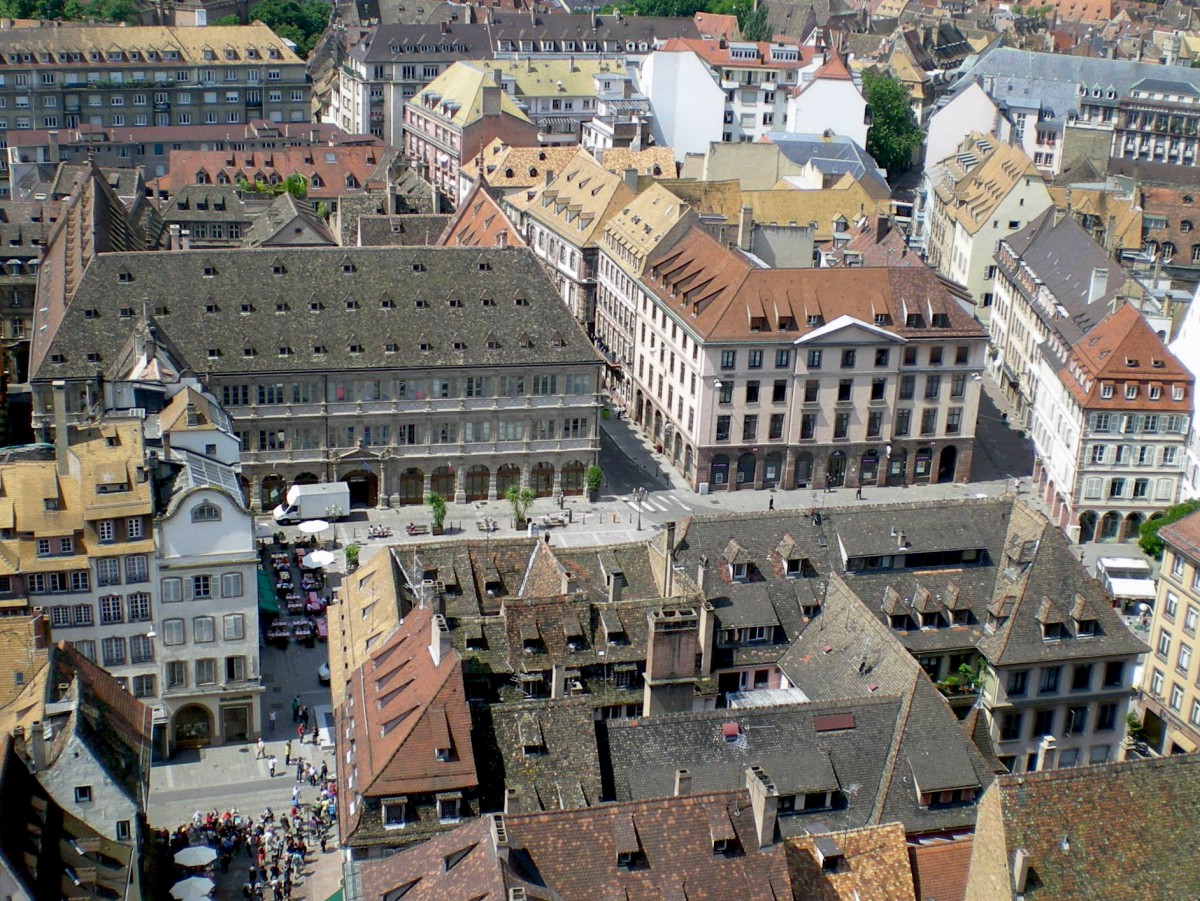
column 266, row 592
column 336, row 896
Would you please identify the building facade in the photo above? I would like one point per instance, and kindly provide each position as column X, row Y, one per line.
column 401, row 371
column 754, row 378
column 1170, row 700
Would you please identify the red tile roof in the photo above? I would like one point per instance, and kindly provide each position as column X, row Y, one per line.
column 940, row 870
column 1124, row 350
column 330, row 171
column 715, row 52
column 480, row 222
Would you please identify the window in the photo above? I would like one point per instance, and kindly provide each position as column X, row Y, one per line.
column 783, row 359
column 176, row 674
column 752, row 392
column 393, row 813
column 848, row 357
column 841, row 425
column 172, row 590
column 1189, row 620
column 903, row 422
column 1114, row 674
column 1010, row 726
column 1043, row 723
column 756, row 358
column 749, row 428
column 1176, row 701
column 881, row 356
column 206, row 671
column 1156, row 683
column 448, row 807
column 808, row 426
column 776, row 426
column 206, row 512
column 110, row 610
column 234, row 626
column 908, row 385
column 202, row 630
column 1194, row 717
column 141, row 649
column 83, row 794
column 139, row 607
column 814, row 359
column 124, row 831
column 201, row 587
column 231, row 585
column 1081, row 677
column 1076, row 721
column 779, row 391
column 728, row 359
column 136, row 569
column 106, row 531
column 845, row 387
column 933, row 386
column 812, row 388
column 173, row 632
column 1018, row 683
column 929, row 416
column 1106, row 717
column 1048, row 684
column 113, row 650
column 235, row 669
column 1184, row 660
column 723, row 428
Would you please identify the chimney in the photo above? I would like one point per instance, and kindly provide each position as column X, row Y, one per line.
column 764, row 799
column 558, row 682
column 669, row 561
column 630, row 177
column 1098, row 286
column 708, row 630
column 1046, row 749
column 566, row 582
column 512, row 802
column 37, row 746
column 491, row 100
column 883, row 225
column 671, row 645
column 683, row 783
column 52, row 146
column 502, row 240
column 1020, row 875
column 61, row 440
column 439, row 639
column 745, row 234
column 500, row 837
column 616, row 582
column 700, row 574
column 444, row 28
column 174, row 242
column 186, row 239
column 497, row 78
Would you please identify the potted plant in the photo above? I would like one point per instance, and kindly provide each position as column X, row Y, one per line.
column 351, row 557
column 592, row 478
column 520, row 498
column 437, row 509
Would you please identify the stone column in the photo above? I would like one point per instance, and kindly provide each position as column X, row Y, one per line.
column 491, row 491
column 460, row 485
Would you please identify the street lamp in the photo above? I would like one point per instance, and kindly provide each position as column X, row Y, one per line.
column 639, row 495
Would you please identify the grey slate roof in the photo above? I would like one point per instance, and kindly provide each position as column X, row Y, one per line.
column 410, row 230
column 205, row 203
column 834, row 155
column 386, row 285
column 289, row 220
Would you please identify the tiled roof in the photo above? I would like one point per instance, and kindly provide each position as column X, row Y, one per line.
column 577, row 203
column 1120, row 216
column 480, row 222
column 723, row 296
column 875, row 866
column 985, row 186
column 940, row 869
column 410, row 230
column 1184, row 534
column 457, row 95
column 204, row 313
column 714, row 25
column 656, row 162
column 22, row 653
column 1118, row 831
column 190, row 43
column 718, row 52
column 507, row 168
column 289, row 222
column 1124, row 350
column 646, row 220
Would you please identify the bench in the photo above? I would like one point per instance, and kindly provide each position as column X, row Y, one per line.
column 417, row 530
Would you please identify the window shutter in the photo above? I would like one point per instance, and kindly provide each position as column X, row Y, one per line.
column 214, row 583
column 187, row 589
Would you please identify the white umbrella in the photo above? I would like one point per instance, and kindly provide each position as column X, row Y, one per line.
column 313, row 526
column 196, row 856
column 318, row 559
column 192, row 888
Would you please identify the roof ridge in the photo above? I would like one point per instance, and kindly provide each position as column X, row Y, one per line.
column 889, row 769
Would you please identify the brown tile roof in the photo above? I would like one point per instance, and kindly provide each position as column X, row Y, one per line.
column 453, row 866
column 656, row 162
column 577, row 203
column 480, row 222
column 716, row 52
column 1124, row 350
column 727, row 299
column 508, row 168
column 22, row 651
column 1184, row 534
column 717, row 25
column 940, row 869
column 330, row 166
column 876, row 866
column 1122, row 832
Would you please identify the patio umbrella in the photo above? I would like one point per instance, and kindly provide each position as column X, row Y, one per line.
column 196, row 856
column 318, row 559
column 194, row 887
column 313, row 526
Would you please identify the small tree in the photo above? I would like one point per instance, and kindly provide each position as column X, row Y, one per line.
column 894, row 135
column 351, row 556
column 593, row 478
column 520, row 498
column 437, row 509
column 1148, row 535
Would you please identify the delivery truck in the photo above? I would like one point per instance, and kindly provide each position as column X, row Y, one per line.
column 325, row 500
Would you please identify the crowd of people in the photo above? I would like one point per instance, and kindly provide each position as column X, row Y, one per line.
column 277, row 846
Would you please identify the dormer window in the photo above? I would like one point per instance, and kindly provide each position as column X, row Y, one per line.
column 1052, row 631
column 206, row 512
column 124, row 277
column 740, row 572
column 318, row 349
column 246, row 308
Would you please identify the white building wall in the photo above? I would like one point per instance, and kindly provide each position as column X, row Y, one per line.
column 1186, row 348
column 688, row 106
column 76, row 767
column 972, row 110
column 833, row 104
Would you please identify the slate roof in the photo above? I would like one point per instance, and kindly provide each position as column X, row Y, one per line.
column 1120, row 831
column 384, row 283
column 205, row 203
column 446, row 40
column 289, row 221
column 412, row 230
column 831, row 154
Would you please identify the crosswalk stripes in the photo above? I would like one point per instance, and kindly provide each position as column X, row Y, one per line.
column 666, row 503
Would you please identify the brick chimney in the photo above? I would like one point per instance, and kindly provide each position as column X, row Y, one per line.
column 670, row 677
column 764, row 799
column 61, row 439
column 439, row 639
column 745, row 234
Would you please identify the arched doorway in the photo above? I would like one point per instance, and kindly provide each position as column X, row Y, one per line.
column 639, row 402
column 273, row 490
column 688, row 461
column 658, row 426
column 718, row 470
column 442, row 482
column 746, row 465
column 947, row 462
column 246, row 489
column 868, row 468
column 1132, row 526
column 478, row 477
column 193, row 727
column 835, row 474
column 306, row 478
column 924, row 464
column 541, row 479
column 804, row 469
column 897, row 467
column 1087, row 526
column 572, row 477
column 1110, row 526
column 772, row 469
column 412, row 486
column 364, row 488
column 507, row 475
column 677, row 450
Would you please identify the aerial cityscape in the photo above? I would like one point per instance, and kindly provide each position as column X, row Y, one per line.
column 538, row 450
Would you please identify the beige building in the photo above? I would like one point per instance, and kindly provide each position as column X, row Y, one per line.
column 1170, row 698
column 761, row 378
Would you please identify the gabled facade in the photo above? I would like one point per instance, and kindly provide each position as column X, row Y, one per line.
column 829, row 100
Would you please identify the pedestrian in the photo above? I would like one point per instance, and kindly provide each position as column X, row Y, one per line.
column 287, row 753
column 324, row 840
column 271, row 722
column 296, row 708
column 304, row 717
column 316, row 734
column 300, row 733
column 324, row 770
column 271, row 765
column 262, row 749
column 295, row 794
column 858, row 493
column 771, row 504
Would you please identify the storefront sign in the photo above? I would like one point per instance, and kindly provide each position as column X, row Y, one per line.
column 232, row 698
